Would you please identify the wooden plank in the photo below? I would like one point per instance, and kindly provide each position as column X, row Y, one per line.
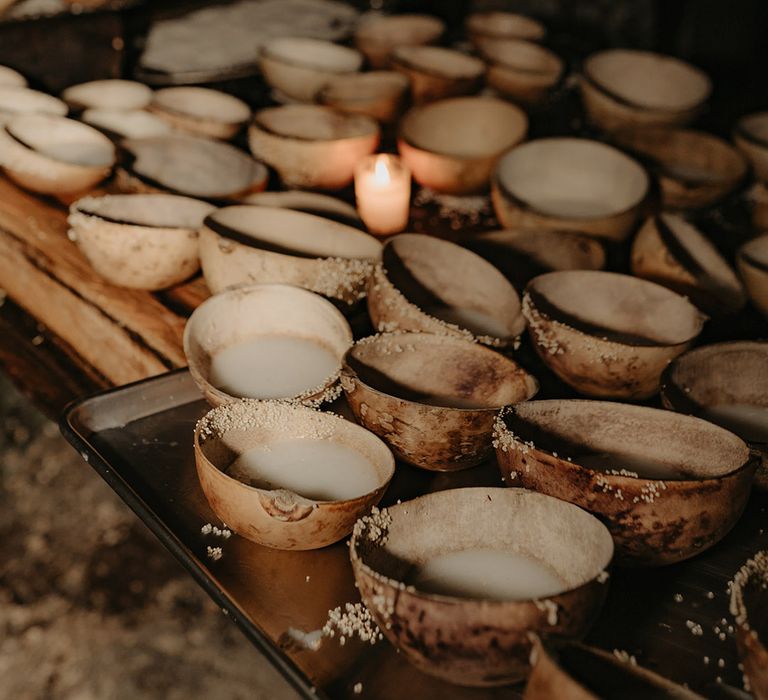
column 125, row 334
column 41, row 365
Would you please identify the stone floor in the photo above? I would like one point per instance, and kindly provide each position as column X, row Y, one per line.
column 91, row 606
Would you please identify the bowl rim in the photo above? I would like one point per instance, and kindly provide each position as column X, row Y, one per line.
column 126, row 160
column 257, row 124
column 357, row 560
column 311, row 394
column 438, row 338
column 398, row 59
column 744, row 255
column 264, row 52
column 674, row 395
column 514, row 110
column 588, row 75
column 566, row 466
column 160, row 106
column 367, row 435
column 538, row 48
column 495, row 341
column 740, row 129
column 238, row 236
column 531, row 21
column 79, row 206
column 591, row 330
column 512, row 198
column 92, row 131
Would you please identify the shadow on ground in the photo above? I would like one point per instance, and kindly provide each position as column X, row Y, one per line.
column 91, row 606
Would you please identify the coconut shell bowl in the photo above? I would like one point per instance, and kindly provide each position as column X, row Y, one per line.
column 474, row 636
column 668, row 486
column 305, row 512
column 432, row 398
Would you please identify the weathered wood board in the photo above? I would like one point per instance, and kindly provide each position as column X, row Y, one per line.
column 124, row 334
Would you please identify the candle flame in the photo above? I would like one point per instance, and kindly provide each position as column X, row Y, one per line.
column 381, row 174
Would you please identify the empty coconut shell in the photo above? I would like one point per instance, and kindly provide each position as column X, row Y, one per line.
column 569, row 184
column 436, row 72
column 453, row 145
column 668, row 486
column 575, row 671
column 377, row 36
column 752, row 261
column 432, row 398
column 694, row 169
column 624, row 88
column 608, row 334
column 751, row 136
column 673, row 252
column 727, row 384
column 482, row 27
column 432, row 285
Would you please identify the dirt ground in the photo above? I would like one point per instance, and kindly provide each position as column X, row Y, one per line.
column 91, row 606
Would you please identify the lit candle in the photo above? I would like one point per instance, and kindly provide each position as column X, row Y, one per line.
column 383, row 193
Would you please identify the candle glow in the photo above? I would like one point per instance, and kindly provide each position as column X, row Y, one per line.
column 383, row 192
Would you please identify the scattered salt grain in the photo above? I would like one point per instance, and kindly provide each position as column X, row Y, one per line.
column 214, row 553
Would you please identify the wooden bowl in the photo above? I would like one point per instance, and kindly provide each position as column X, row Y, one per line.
column 54, row 155
column 298, row 67
column 752, row 261
column 693, row 169
column 143, row 241
column 312, row 146
column 271, row 512
column 380, row 95
column 627, row 88
column 126, row 124
column 431, row 285
column 108, row 94
column 573, row 671
column 726, row 384
column 673, row 252
column 749, row 602
column 484, row 27
column 569, row 184
column 11, row 78
column 379, row 35
column 432, row 398
column 240, row 314
column 475, row 641
column 15, row 100
column 310, row 203
column 607, row 334
column 668, row 486
column 256, row 244
column 453, row 145
column 521, row 70
column 751, row 136
column 201, row 111
column 188, row 165
column 436, row 72
column 522, row 254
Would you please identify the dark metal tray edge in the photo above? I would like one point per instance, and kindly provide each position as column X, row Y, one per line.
column 75, row 435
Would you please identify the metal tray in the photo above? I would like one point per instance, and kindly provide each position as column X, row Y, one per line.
column 139, row 439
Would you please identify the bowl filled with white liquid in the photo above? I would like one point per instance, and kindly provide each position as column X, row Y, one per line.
column 268, row 342
column 457, row 580
column 288, row 476
column 668, row 486
column 435, row 286
column 432, row 398
column 569, row 184
column 726, row 384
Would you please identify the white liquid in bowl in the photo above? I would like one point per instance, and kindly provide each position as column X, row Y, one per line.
column 272, row 367
column 322, row 470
